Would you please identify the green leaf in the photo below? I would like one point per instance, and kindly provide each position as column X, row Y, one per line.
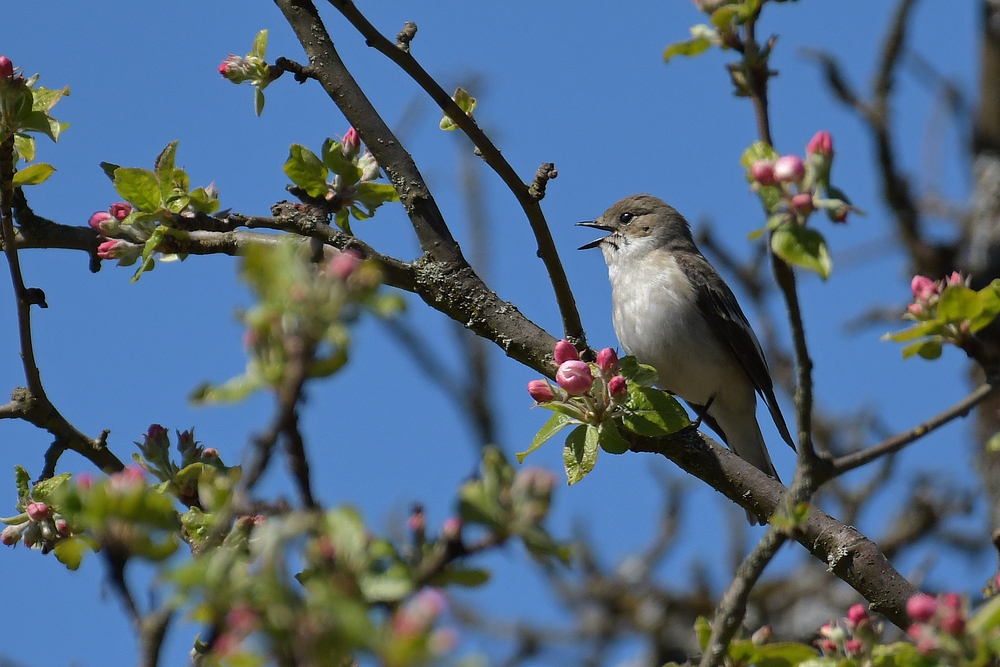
column 25, row 147
column 958, row 303
column 22, row 480
column 928, row 349
column 986, row 619
column 652, row 412
column 724, row 15
column 109, row 169
column 989, row 298
column 688, row 47
column 580, row 452
column 390, row 586
column 260, row 44
column 334, row 158
column 44, row 99
column 44, row 489
column 757, row 151
column 555, row 424
column 258, row 101
column 782, row 654
column 703, row 631
column 306, row 170
column 231, row 391
column 39, row 121
column 630, row 369
column 374, row 195
column 803, row 246
column 33, row 175
column 461, row 577
column 610, row 439
column 464, row 102
column 138, row 186
column 927, row 328
column 164, row 164
column 71, row 550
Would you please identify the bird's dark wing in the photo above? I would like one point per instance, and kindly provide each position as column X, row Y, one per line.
column 722, row 312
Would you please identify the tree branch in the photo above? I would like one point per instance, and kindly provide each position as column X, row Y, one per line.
column 527, row 196
column 897, row 442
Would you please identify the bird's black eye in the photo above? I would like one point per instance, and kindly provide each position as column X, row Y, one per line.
column 625, row 218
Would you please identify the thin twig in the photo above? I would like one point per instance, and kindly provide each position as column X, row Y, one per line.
column 527, row 197
column 900, row 440
column 733, row 606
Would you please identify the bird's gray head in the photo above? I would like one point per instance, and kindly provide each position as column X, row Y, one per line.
column 640, row 224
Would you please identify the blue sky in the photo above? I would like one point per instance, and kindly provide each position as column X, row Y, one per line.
column 580, row 84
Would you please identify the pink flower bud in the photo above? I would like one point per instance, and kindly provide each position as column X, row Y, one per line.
column 952, row 601
column 234, row 68
column 763, row 636
column 344, row 263
column 417, row 521
column 574, row 376
column 351, row 144
column 915, row 309
column 6, row 68
column 789, row 169
column 120, row 210
column 921, row 607
column 827, row 646
column 607, row 360
column 853, row 646
column 803, row 203
column 821, row 144
column 955, row 279
column 857, row 615
column 565, row 352
column 10, row 535
column 156, row 431
column 953, row 624
column 617, row 386
column 540, row 391
column 368, row 166
column 762, row 171
column 452, row 528
column 242, row 619
column 38, row 511
column 84, row 481
column 210, row 453
column 923, row 288
column 110, row 249
column 62, row 526
column 100, row 221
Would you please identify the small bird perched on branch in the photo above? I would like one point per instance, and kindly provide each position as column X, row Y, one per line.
column 673, row 311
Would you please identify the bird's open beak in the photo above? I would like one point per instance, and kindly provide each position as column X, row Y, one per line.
column 596, row 225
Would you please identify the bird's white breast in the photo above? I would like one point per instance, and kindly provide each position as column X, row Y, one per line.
column 656, row 318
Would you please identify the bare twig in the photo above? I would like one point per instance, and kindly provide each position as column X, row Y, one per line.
column 733, row 606
column 527, row 198
column 898, row 441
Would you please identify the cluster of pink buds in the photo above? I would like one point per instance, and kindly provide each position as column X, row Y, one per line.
column 576, row 378
column 938, row 623
column 804, row 185
column 38, row 526
column 853, row 636
column 109, row 223
column 927, row 293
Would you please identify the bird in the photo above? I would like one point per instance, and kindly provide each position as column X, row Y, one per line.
column 673, row 311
